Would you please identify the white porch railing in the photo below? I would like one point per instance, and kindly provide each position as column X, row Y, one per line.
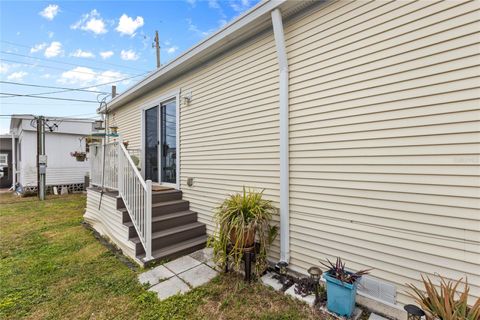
column 113, row 168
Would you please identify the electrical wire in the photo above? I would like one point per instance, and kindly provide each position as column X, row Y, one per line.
column 77, row 89
column 40, row 97
column 49, row 87
column 63, row 69
column 67, row 63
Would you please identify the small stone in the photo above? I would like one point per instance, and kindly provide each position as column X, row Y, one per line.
column 155, row 275
column 169, row 288
column 182, row 264
column 310, row 299
column 269, row 280
column 198, row 276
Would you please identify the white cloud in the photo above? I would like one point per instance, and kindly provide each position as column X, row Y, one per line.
column 193, row 28
column 17, row 76
column 240, row 5
column 128, row 55
column 4, row 67
column 106, row 54
column 53, row 50
column 50, row 11
column 213, row 4
column 172, row 49
column 128, row 26
column 191, row 2
column 83, row 76
column 91, row 22
column 38, row 47
column 50, row 34
column 222, row 22
column 79, row 53
column 47, row 76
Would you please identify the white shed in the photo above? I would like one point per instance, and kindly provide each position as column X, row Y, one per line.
column 63, row 136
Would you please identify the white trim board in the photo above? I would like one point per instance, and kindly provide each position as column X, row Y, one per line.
column 152, row 103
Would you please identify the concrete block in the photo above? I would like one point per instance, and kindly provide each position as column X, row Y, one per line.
column 169, row 288
column 182, row 264
column 310, row 299
column 203, row 255
column 155, row 275
column 269, row 280
column 198, row 276
column 374, row 316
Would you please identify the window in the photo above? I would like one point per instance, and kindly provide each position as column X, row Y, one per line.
column 3, row 159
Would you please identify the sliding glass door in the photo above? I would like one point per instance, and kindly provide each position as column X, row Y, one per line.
column 151, row 144
column 161, row 143
column 169, row 142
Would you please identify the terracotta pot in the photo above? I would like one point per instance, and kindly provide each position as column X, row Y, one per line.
column 248, row 236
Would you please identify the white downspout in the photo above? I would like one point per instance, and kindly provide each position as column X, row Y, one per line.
column 14, row 162
column 284, row 123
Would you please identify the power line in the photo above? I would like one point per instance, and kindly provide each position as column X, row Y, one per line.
column 62, row 62
column 56, row 68
column 39, row 97
column 50, row 87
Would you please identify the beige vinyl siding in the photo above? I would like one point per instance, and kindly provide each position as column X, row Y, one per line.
column 384, row 139
column 229, row 131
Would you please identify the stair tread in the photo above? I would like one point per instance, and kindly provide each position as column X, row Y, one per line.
column 159, row 204
column 166, row 232
column 165, row 217
column 166, row 191
column 172, row 215
column 177, row 247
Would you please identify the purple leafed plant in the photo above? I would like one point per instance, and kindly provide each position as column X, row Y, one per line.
column 337, row 270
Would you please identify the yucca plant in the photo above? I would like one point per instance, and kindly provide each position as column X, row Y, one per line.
column 446, row 302
column 240, row 219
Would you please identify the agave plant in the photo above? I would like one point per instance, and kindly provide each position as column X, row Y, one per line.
column 240, row 219
column 337, row 270
column 446, row 302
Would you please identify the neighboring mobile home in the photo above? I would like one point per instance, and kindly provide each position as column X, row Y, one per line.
column 360, row 120
column 66, row 135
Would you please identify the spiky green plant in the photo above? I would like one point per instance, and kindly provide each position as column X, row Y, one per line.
column 338, row 271
column 238, row 215
column 446, row 302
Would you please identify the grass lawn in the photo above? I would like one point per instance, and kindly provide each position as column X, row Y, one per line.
column 52, row 267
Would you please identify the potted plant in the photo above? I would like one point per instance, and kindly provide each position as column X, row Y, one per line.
column 240, row 219
column 447, row 302
column 79, row 155
column 341, row 287
column 125, row 143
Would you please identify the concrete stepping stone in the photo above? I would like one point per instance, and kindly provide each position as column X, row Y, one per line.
column 269, row 280
column 198, row 275
column 203, row 255
column 374, row 316
column 310, row 299
column 155, row 275
column 170, row 287
column 182, row 264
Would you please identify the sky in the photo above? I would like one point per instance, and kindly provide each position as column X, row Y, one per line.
column 84, row 44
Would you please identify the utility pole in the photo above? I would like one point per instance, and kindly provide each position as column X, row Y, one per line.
column 156, row 45
column 41, row 158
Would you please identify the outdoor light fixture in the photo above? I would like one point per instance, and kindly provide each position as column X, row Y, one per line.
column 315, row 273
column 98, row 125
column 414, row 312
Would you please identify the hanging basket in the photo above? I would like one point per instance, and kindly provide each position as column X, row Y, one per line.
column 79, row 155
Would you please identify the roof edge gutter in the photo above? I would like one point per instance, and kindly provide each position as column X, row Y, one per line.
column 284, row 135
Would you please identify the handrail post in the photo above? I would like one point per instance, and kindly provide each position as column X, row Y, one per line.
column 120, row 169
column 148, row 221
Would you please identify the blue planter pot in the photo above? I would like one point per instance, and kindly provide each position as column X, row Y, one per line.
column 340, row 296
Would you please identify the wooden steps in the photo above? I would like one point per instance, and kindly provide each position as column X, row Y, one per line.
column 175, row 229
